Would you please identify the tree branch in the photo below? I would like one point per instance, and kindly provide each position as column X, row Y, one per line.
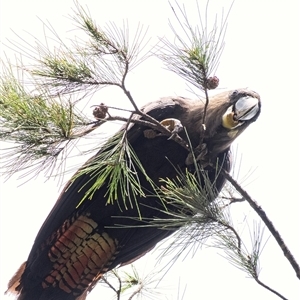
column 257, row 208
column 269, row 289
column 137, row 291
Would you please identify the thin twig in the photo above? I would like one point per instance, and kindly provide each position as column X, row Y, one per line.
column 118, row 292
column 137, row 291
column 269, row 289
column 120, row 285
column 229, row 227
column 109, row 284
column 232, row 200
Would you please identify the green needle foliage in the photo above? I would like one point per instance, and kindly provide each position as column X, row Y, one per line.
column 131, row 285
column 240, row 256
column 194, row 54
column 37, row 125
column 66, row 68
column 190, row 200
column 196, row 212
column 117, row 166
column 104, row 57
column 44, row 121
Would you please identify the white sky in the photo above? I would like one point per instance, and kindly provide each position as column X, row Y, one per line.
column 262, row 52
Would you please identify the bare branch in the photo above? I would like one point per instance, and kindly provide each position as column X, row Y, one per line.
column 270, row 289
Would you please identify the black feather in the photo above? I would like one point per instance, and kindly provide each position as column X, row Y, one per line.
column 123, row 225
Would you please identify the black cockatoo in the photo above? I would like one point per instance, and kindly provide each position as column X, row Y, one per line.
column 81, row 240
